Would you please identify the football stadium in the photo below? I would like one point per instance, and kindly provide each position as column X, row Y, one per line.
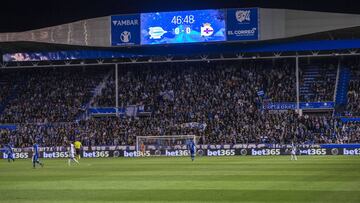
column 150, row 101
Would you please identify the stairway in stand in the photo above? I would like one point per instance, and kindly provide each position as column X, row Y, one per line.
column 314, row 81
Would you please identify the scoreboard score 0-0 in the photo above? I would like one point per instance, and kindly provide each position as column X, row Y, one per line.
column 212, row 25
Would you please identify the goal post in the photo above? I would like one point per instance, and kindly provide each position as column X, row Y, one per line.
column 164, row 142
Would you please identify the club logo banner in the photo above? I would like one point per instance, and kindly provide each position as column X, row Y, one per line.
column 242, row 24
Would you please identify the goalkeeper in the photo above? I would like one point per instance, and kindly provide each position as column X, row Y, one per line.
column 192, row 149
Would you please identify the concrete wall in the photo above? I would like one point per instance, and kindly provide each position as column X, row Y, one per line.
column 91, row 32
column 282, row 23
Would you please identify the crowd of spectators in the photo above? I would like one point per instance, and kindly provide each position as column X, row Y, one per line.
column 349, row 133
column 5, row 89
column 221, row 101
column 52, row 95
column 353, row 105
column 144, row 84
column 279, row 82
column 273, row 128
column 6, row 86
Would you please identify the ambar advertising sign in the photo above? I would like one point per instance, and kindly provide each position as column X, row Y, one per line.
column 125, row 30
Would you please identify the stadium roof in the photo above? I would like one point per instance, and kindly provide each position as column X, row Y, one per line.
column 340, row 34
column 16, row 16
column 297, row 30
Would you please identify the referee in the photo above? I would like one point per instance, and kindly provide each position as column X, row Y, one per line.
column 78, row 146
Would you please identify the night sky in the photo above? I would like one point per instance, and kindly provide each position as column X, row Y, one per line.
column 27, row 15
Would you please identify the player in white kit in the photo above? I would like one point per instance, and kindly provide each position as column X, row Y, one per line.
column 72, row 154
column 293, row 152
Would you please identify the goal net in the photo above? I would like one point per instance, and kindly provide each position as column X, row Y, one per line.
column 163, row 145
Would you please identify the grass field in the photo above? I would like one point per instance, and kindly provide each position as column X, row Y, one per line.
column 222, row 179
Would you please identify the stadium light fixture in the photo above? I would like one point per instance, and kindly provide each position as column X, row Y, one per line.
column 133, row 60
column 204, row 57
column 315, row 53
column 353, row 51
column 239, row 55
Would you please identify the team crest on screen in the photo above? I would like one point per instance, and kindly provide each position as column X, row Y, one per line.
column 125, row 36
column 206, row 30
column 156, row 32
column 242, row 15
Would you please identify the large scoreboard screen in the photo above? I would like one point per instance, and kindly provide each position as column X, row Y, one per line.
column 183, row 27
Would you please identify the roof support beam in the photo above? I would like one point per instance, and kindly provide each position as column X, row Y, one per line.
column 172, row 60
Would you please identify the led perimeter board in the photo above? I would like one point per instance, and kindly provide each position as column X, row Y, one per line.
column 183, row 27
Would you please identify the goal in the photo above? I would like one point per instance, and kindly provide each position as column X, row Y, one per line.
column 164, row 142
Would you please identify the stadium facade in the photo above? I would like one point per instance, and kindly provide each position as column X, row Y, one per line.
column 274, row 24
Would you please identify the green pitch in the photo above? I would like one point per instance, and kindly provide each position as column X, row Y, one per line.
column 208, row 179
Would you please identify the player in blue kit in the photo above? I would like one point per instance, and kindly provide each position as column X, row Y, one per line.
column 35, row 158
column 192, row 149
column 9, row 152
